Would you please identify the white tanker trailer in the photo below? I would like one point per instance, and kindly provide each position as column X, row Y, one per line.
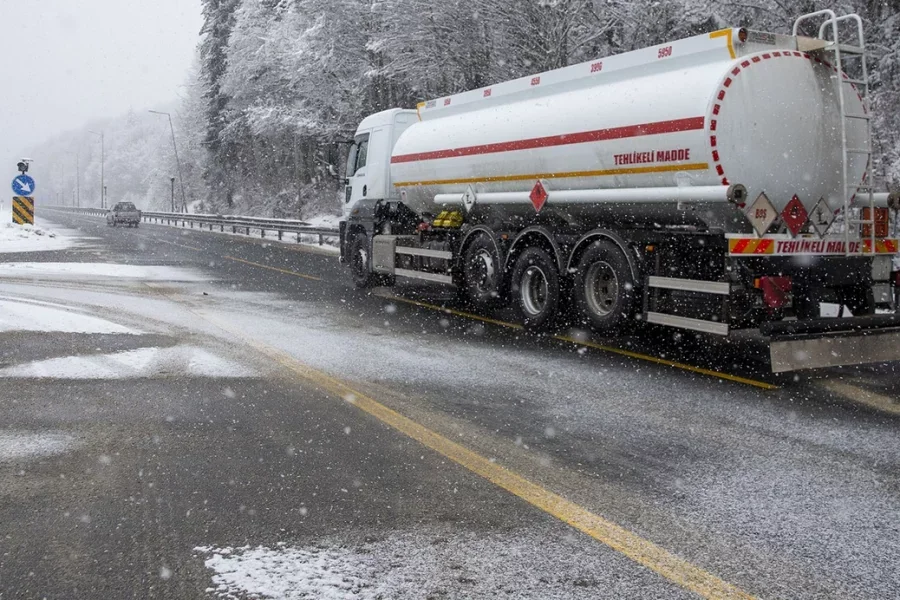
column 715, row 183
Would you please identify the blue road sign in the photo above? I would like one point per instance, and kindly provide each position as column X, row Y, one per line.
column 23, row 185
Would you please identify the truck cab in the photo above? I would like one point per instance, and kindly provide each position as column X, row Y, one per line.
column 369, row 162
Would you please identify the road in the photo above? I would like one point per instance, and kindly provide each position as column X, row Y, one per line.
column 277, row 433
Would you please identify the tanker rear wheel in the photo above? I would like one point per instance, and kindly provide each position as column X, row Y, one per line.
column 603, row 287
column 535, row 288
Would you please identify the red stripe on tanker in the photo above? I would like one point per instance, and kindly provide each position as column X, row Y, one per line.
column 614, row 133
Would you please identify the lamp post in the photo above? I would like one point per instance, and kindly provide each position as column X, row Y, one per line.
column 102, row 161
column 77, row 179
column 177, row 160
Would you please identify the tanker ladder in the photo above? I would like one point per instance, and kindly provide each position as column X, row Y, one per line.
column 845, row 52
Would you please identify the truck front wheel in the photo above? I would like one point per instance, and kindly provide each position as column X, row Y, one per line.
column 535, row 288
column 359, row 261
column 482, row 273
column 603, row 286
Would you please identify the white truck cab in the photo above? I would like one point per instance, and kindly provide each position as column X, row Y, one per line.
column 369, row 161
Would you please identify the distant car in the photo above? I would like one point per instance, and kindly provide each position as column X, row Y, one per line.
column 124, row 213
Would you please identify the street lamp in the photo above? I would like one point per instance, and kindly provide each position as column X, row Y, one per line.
column 102, row 160
column 77, row 179
column 177, row 161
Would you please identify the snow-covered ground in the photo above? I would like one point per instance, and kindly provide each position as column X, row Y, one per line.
column 19, row 445
column 180, row 361
column 17, row 314
column 99, row 270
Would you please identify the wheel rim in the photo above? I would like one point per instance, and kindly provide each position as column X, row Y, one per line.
column 535, row 290
column 601, row 288
column 484, row 273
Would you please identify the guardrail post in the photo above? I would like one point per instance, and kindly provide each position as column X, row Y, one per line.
column 221, row 228
column 279, row 235
column 248, row 231
column 320, row 239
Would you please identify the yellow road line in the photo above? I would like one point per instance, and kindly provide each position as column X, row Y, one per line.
column 174, row 243
column 451, row 311
column 862, row 396
column 638, row 549
column 612, row 349
column 262, row 266
column 671, row 363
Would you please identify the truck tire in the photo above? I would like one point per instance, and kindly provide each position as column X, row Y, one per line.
column 535, row 288
column 359, row 261
column 603, row 287
column 482, row 273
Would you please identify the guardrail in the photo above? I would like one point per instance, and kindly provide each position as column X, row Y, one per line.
column 237, row 225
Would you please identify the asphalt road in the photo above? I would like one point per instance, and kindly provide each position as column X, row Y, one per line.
column 451, row 453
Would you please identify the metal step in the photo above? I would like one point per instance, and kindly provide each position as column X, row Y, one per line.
column 690, row 285
column 860, row 117
column 861, row 221
column 434, row 277
column 859, row 151
column 856, row 81
column 687, row 323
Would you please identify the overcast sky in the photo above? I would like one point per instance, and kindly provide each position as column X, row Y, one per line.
column 65, row 62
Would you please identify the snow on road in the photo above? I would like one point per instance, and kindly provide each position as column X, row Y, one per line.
column 180, row 361
column 98, row 270
column 19, row 445
column 20, row 315
column 423, row 564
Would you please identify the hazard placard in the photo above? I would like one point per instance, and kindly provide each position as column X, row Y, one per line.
column 469, row 198
column 761, row 214
column 822, row 217
column 538, row 196
column 23, row 210
column 795, row 215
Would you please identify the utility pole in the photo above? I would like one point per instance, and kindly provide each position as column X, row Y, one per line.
column 173, row 193
column 102, row 161
column 177, row 160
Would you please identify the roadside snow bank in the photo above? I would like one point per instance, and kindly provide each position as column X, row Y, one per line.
column 30, row 238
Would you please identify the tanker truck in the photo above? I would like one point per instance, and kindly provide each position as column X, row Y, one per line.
column 715, row 184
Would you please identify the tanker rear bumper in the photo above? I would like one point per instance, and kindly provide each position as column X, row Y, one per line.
column 821, row 343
